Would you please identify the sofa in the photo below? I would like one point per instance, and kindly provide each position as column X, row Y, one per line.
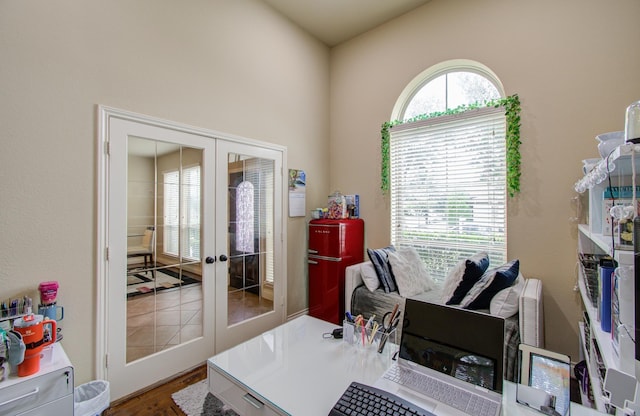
column 520, row 302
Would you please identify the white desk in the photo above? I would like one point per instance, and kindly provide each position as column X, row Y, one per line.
column 293, row 370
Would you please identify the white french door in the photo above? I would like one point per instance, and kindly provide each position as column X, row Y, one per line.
column 252, row 292
column 190, row 247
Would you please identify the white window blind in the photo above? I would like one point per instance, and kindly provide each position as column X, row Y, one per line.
column 182, row 213
column 171, row 212
column 260, row 172
column 448, row 188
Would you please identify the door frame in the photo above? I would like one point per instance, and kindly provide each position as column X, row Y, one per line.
column 104, row 114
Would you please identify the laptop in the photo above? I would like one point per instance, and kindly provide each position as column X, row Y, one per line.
column 462, row 348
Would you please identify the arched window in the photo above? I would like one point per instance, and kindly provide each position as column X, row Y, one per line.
column 244, row 218
column 448, row 172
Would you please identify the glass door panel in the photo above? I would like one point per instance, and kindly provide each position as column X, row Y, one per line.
column 164, row 274
column 250, row 212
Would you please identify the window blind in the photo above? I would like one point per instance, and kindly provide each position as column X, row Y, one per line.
column 185, row 206
column 171, row 212
column 448, row 188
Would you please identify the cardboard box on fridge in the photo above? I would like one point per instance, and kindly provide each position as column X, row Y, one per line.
column 353, row 205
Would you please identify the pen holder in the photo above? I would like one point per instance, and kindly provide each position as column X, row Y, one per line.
column 368, row 337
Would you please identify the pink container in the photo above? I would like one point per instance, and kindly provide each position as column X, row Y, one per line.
column 48, row 292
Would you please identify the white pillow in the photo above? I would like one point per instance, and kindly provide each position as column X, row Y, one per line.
column 369, row 276
column 505, row 303
column 410, row 272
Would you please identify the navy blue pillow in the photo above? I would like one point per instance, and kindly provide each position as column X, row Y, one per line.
column 475, row 267
column 493, row 281
column 380, row 261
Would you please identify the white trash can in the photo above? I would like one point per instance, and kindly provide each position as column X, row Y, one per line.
column 91, row 399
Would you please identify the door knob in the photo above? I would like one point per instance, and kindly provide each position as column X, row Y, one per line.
column 210, row 260
column 223, row 257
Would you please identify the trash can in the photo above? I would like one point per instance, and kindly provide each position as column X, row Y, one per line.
column 91, row 399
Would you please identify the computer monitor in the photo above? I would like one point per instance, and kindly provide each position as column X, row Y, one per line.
column 465, row 344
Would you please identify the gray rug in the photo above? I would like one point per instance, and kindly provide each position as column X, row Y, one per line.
column 196, row 400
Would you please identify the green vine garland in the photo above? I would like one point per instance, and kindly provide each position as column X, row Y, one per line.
column 511, row 105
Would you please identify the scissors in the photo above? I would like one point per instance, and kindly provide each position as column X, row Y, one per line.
column 390, row 322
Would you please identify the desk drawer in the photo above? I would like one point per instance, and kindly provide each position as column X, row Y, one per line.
column 37, row 391
column 236, row 397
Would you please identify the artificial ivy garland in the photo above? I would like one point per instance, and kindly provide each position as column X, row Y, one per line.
column 511, row 106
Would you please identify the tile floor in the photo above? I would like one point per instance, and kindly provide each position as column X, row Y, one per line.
column 173, row 316
column 161, row 321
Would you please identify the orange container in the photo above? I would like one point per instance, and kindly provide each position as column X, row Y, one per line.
column 32, row 329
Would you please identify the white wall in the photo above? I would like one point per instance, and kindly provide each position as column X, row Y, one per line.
column 574, row 64
column 232, row 66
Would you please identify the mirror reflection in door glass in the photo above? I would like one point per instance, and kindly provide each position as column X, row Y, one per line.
column 251, row 233
column 164, row 276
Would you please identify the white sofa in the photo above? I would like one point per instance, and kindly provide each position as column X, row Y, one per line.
column 526, row 326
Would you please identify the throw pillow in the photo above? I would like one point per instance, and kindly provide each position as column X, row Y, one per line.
column 369, row 276
column 506, row 302
column 381, row 263
column 410, row 272
column 493, row 281
column 463, row 276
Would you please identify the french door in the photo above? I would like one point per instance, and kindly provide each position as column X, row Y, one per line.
column 191, row 226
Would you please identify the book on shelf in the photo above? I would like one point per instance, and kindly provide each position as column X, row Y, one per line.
column 620, row 192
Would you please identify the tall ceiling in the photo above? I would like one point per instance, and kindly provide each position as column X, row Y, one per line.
column 335, row 21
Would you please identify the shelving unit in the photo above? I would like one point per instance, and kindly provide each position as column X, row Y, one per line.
column 596, row 344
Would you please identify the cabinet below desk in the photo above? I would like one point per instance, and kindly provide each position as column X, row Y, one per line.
column 237, row 397
column 47, row 392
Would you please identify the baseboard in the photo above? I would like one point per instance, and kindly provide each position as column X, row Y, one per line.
column 298, row 314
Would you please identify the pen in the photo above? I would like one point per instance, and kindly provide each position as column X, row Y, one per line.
column 373, row 332
column 349, row 317
column 370, row 321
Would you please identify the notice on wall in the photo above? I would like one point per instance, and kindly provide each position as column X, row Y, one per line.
column 297, row 193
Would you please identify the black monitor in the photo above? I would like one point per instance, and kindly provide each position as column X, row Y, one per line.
column 464, row 344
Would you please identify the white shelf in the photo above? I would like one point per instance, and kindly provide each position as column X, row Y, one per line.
column 602, row 338
column 593, row 375
column 592, row 241
column 603, row 243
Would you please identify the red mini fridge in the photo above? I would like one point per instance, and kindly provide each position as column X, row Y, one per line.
column 333, row 245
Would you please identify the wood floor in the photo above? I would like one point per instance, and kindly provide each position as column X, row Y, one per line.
column 157, row 401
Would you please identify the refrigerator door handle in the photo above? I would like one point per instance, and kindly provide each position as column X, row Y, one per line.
column 313, row 251
column 312, row 262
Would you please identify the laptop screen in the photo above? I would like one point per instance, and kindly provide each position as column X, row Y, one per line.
column 464, row 344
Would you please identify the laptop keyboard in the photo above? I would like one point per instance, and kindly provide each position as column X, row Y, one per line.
column 362, row 400
column 467, row 402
